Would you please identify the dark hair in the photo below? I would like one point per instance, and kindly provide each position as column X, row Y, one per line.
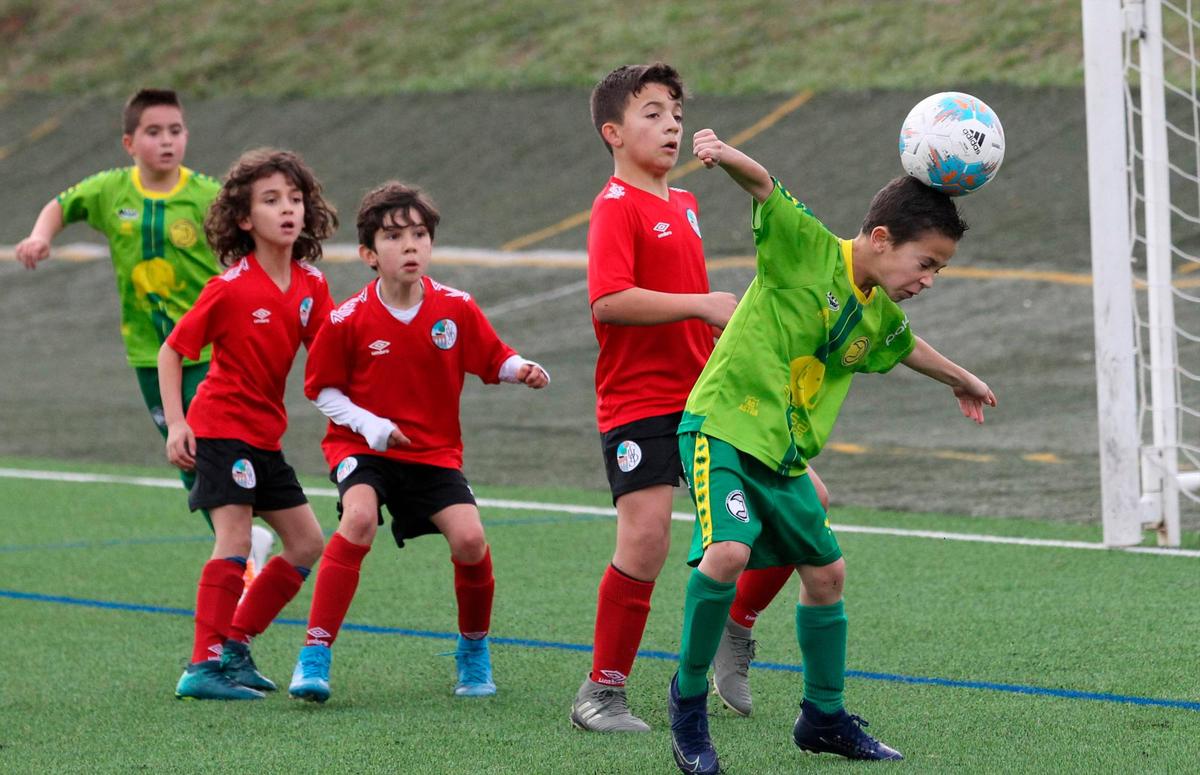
column 391, row 197
column 614, row 91
column 909, row 209
column 146, row 98
column 232, row 205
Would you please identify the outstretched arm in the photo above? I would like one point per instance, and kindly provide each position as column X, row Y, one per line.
column 972, row 393
column 746, row 172
column 36, row 247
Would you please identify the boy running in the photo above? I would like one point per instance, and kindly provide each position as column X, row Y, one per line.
column 266, row 224
column 819, row 310
column 388, row 371
column 654, row 319
column 152, row 215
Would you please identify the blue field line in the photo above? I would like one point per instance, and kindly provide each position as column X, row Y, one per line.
column 667, row 656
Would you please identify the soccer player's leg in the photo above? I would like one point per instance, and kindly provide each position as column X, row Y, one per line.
column 756, row 588
column 271, row 590
column 337, row 580
column 726, row 527
column 474, row 589
column 823, row 725
column 622, row 608
column 216, row 599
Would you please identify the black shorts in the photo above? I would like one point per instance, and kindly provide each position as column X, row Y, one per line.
column 230, row 471
column 412, row 492
column 642, row 453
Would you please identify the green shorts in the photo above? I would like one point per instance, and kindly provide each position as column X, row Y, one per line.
column 738, row 498
column 147, row 378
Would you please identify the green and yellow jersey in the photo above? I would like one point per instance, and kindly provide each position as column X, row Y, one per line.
column 160, row 256
column 776, row 381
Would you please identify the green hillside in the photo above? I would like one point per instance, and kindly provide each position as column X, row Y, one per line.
column 328, row 48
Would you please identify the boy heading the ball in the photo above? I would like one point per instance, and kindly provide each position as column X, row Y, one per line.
column 653, row 316
column 388, row 370
column 819, row 310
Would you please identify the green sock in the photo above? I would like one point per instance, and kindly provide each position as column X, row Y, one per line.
column 704, row 612
column 821, row 632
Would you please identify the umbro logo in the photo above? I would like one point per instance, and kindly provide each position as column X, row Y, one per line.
column 379, row 347
column 262, row 315
column 615, row 191
column 663, row 229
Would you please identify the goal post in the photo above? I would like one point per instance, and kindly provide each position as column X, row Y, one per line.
column 1143, row 126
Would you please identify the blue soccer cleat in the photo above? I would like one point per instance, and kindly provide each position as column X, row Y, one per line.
column 206, row 681
column 310, row 679
column 690, row 741
column 838, row 733
column 474, row 668
column 237, row 663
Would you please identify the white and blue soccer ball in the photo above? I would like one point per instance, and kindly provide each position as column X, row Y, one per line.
column 952, row 142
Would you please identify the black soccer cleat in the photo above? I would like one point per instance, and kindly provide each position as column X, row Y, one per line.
column 838, row 733
column 690, row 741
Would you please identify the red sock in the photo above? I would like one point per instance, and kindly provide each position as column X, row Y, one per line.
column 337, row 579
column 621, row 612
column 271, row 590
column 755, row 590
column 474, row 587
column 216, row 599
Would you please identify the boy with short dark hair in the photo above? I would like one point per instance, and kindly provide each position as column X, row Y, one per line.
column 388, row 371
column 654, row 316
column 819, row 310
column 152, row 214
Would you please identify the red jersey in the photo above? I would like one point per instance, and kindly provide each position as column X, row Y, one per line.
column 411, row 373
column 638, row 240
column 256, row 330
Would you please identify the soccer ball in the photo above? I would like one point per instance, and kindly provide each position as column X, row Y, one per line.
column 952, row 142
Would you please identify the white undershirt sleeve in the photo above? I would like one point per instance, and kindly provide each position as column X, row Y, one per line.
column 509, row 369
column 338, row 407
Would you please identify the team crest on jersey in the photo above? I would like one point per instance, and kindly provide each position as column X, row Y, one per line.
column 444, row 334
column 735, row 504
column 305, row 309
column 345, row 468
column 834, row 304
column 615, row 191
column 243, row 473
column 856, row 351
column 629, row 456
column 694, row 221
column 183, row 234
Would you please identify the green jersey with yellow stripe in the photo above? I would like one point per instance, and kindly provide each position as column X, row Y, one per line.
column 775, row 383
column 159, row 253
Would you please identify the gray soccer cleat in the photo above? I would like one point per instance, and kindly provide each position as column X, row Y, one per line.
column 731, row 668
column 600, row 708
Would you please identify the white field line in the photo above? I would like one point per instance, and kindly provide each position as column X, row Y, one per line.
column 537, row 298
column 679, row 516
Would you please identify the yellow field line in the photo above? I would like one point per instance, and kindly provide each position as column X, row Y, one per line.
column 33, row 135
column 581, row 217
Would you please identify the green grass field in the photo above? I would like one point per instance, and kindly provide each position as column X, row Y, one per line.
column 969, row 657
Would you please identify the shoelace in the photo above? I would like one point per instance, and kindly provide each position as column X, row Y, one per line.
column 473, row 667
column 743, row 653
column 858, row 738
column 613, row 700
column 312, row 665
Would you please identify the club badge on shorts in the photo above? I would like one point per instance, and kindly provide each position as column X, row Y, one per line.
column 444, row 334
column 345, row 468
column 243, row 473
column 629, row 455
column 735, row 504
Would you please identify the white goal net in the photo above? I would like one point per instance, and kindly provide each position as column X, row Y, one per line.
column 1143, row 102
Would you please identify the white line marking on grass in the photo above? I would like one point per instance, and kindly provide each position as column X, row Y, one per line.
column 537, row 298
column 678, row 516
